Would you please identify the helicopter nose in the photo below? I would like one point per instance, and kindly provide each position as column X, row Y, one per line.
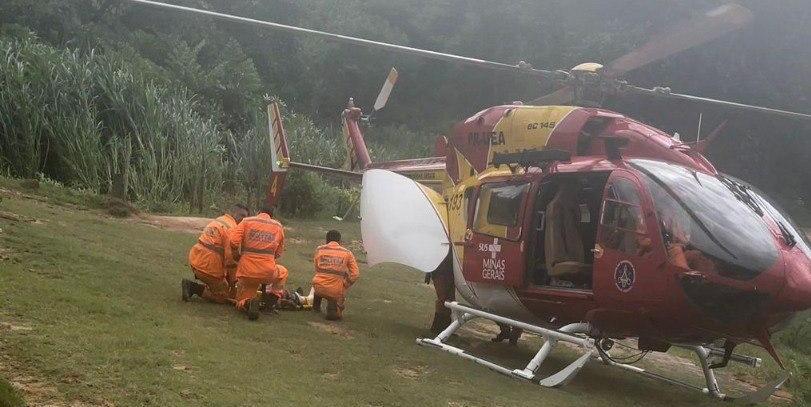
column 796, row 294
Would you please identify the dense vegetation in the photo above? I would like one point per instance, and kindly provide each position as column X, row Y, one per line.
column 201, row 85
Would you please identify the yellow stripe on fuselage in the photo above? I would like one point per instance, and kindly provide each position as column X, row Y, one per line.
column 527, row 128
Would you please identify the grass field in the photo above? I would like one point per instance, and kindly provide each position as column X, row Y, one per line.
column 90, row 313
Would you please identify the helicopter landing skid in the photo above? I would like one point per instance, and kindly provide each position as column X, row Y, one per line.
column 462, row 314
column 572, row 334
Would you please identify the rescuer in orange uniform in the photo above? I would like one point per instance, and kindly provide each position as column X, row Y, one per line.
column 210, row 258
column 260, row 241
column 280, row 280
column 335, row 271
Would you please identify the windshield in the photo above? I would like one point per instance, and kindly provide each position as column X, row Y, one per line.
column 793, row 234
column 709, row 223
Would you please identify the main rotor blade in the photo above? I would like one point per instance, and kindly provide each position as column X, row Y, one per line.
column 682, row 36
column 665, row 93
column 562, row 96
column 385, row 91
column 518, row 68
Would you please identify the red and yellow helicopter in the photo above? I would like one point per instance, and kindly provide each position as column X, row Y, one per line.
column 580, row 224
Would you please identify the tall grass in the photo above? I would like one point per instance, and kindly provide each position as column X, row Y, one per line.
column 306, row 194
column 397, row 142
column 91, row 121
column 88, row 121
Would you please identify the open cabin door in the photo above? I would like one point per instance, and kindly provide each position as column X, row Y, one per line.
column 494, row 252
column 628, row 259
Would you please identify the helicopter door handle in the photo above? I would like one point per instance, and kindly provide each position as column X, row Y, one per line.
column 694, row 275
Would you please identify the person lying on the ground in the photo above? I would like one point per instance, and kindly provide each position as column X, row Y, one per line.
column 259, row 240
column 210, row 258
column 287, row 300
column 275, row 296
column 335, row 271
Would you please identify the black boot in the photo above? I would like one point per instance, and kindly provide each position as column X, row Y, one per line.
column 515, row 334
column 190, row 288
column 270, row 303
column 252, row 309
column 504, row 335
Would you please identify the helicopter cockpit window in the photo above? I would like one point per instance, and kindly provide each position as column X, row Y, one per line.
column 789, row 228
column 622, row 219
column 499, row 208
column 709, row 223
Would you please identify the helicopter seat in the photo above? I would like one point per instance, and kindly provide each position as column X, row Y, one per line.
column 563, row 244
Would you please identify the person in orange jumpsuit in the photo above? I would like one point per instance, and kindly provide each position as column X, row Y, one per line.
column 335, row 271
column 275, row 291
column 260, row 241
column 210, row 258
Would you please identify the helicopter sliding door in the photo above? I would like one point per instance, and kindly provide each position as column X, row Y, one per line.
column 628, row 272
column 493, row 251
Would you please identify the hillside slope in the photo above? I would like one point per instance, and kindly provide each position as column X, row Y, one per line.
column 90, row 314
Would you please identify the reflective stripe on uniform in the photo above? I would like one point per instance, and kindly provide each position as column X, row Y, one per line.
column 269, row 222
column 333, row 272
column 258, row 251
column 328, row 247
column 216, row 249
column 222, row 222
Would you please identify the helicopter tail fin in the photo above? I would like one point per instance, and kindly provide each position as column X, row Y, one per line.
column 357, row 155
column 279, row 154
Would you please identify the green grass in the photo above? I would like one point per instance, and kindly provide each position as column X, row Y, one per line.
column 9, row 396
column 100, row 302
column 51, row 192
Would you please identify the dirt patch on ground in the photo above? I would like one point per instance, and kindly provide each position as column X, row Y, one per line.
column 6, row 253
column 186, row 224
column 15, row 327
column 332, row 328
column 19, row 195
column 481, row 330
column 411, row 373
column 34, row 390
column 16, row 217
column 330, row 376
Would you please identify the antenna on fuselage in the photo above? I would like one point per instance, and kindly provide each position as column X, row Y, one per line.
column 698, row 133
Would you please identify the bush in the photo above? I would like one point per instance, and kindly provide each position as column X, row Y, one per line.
column 31, row 184
column 388, row 143
column 119, row 209
column 308, row 195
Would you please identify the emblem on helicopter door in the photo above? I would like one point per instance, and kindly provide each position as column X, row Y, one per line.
column 494, row 266
column 624, row 276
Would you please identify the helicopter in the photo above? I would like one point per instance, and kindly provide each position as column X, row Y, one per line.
column 580, row 224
